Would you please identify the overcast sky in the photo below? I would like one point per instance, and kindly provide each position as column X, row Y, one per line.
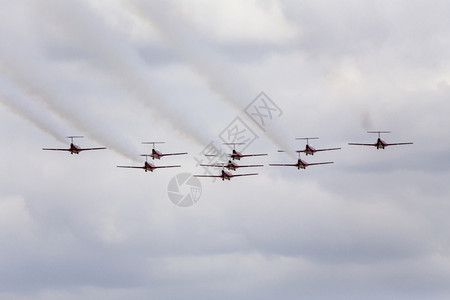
column 373, row 225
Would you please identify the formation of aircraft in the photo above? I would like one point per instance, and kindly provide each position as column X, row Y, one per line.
column 380, row 144
column 74, row 149
column 156, row 154
column 148, row 166
column 231, row 165
column 309, row 150
column 234, row 155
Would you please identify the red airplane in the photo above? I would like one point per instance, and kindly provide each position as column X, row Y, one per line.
column 236, row 155
column 301, row 164
column 74, row 149
column 380, row 144
column 309, row 150
column 148, row 166
column 231, row 165
column 226, row 175
column 156, row 154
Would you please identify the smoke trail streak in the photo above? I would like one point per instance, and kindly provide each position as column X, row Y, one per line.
column 55, row 102
column 20, row 104
column 30, row 72
column 125, row 66
column 209, row 64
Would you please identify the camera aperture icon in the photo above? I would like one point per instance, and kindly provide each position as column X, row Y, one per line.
column 184, row 190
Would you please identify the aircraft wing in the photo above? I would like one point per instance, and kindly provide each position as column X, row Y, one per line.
column 361, row 144
column 217, row 176
column 320, row 163
column 394, row 144
column 327, row 149
column 247, row 155
column 56, row 149
column 215, row 165
column 168, row 154
column 131, row 167
column 225, row 166
column 160, row 167
column 283, row 165
column 249, row 166
column 248, row 174
column 86, row 149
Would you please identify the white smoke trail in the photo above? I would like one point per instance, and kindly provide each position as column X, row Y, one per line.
column 122, row 63
column 209, row 64
column 22, row 64
column 55, row 102
column 20, row 104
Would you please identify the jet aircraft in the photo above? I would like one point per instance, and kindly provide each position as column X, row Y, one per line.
column 309, row 150
column 156, row 154
column 300, row 164
column 231, row 165
column 148, row 166
column 380, row 144
column 74, row 149
column 224, row 175
column 236, row 155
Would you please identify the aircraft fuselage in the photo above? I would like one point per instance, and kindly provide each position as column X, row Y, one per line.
column 309, row 150
column 74, row 149
column 231, row 166
column 236, row 155
column 380, row 144
column 301, row 164
column 156, row 154
column 148, row 167
column 226, row 175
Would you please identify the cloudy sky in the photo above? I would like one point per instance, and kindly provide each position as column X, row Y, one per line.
column 372, row 225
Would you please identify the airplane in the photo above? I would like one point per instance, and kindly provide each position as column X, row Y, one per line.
column 231, row 165
column 156, row 154
column 380, row 144
column 226, row 175
column 236, row 155
column 301, row 164
column 74, row 149
column 148, row 166
column 309, row 150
